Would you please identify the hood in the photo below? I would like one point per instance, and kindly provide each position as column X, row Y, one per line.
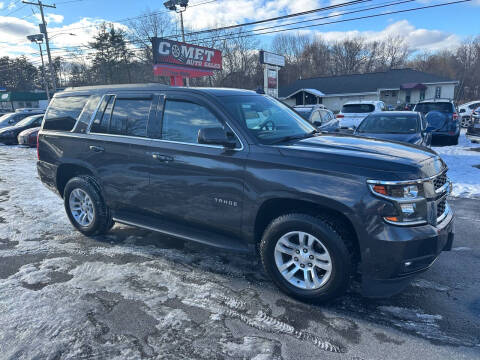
column 401, row 161
column 407, row 138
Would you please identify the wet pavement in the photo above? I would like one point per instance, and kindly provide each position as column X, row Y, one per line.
column 136, row 294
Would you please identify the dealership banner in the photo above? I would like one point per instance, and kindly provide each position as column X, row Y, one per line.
column 181, row 54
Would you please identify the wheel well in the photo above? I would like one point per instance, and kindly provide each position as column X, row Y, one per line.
column 274, row 208
column 66, row 172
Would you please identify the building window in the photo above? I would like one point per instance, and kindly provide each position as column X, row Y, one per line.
column 408, row 96
column 438, row 92
column 394, row 93
column 422, row 95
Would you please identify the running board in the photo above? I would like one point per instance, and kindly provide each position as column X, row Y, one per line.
column 184, row 232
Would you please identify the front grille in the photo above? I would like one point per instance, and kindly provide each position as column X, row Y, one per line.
column 440, row 180
column 441, row 206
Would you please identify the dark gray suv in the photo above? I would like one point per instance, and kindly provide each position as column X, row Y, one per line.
column 241, row 171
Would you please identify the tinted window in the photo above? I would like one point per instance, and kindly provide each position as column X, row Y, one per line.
column 89, row 109
column 182, row 120
column 434, row 106
column 130, row 117
column 358, row 108
column 63, row 112
column 102, row 118
column 399, row 124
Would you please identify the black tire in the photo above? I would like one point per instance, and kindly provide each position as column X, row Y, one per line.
column 102, row 221
column 342, row 257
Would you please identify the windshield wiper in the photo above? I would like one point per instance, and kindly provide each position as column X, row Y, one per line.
column 295, row 137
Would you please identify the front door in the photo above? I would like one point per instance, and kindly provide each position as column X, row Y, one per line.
column 197, row 184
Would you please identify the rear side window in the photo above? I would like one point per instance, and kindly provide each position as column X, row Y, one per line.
column 358, row 108
column 64, row 112
column 130, row 117
column 182, row 120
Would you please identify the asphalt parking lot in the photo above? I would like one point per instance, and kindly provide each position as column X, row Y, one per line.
column 137, row 294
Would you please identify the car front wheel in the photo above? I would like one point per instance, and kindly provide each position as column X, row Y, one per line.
column 306, row 257
column 85, row 206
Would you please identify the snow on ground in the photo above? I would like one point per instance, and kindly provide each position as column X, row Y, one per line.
column 461, row 160
column 135, row 294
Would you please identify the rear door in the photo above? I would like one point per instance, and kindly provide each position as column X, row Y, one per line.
column 191, row 182
column 119, row 129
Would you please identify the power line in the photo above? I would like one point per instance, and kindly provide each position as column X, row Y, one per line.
column 133, row 18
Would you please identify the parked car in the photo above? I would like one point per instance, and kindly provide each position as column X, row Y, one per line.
column 8, row 135
column 405, row 126
column 473, row 131
column 442, row 119
column 28, row 137
column 354, row 112
column 317, row 115
column 465, row 111
column 187, row 162
column 13, row 118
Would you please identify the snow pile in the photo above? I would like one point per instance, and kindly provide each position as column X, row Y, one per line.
column 461, row 160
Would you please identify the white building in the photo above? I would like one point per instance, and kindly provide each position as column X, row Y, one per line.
column 393, row 87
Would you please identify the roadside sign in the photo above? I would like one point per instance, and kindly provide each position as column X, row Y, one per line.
column 271, row 59
column 193, row 56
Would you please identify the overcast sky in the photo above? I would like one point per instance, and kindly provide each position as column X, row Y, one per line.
column 432, row 29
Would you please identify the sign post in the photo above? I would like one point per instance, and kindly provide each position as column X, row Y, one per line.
column 180, row 60
column 272, row 63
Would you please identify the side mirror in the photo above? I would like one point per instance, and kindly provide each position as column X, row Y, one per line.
column 216, row 136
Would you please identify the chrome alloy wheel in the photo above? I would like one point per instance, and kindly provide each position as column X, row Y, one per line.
column 81, row 207
column 303, row 260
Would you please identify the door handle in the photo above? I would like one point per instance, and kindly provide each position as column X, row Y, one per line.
column 97, row 149
column 162, row 158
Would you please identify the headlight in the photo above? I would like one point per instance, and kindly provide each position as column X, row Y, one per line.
column 408, row 199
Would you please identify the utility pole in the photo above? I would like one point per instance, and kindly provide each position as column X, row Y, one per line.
column 38, row 39
column 43, row 30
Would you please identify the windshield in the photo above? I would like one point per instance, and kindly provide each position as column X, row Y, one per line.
column 304, row 112
column 266, row 118
column 357, row 108
column 398, row 124
column 434, row 106
column 5, row 119
column 27, row 121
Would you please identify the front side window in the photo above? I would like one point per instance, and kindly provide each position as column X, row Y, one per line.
column 275, row 121
column 398, row 124
column 182, row 120
column 63, row 112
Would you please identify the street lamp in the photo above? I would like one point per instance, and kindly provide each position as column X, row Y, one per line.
column 54, row 36
column 38, row 39
column 178, row 6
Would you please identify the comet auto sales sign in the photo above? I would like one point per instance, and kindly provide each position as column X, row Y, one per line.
column 182, row 54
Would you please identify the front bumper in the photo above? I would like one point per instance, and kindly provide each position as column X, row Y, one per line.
column 396, row 254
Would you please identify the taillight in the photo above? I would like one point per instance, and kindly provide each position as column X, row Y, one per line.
column 339, row 116
column 38, row 153
column 455, row 116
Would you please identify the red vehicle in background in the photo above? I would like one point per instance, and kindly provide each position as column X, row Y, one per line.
column 29, row 137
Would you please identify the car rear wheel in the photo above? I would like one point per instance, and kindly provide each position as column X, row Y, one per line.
column 85, row 206
column 465, row 122
column 306, row 257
